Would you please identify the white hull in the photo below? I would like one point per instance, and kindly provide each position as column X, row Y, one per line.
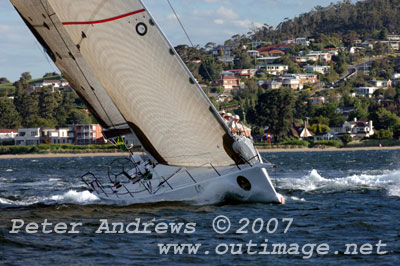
column 205, row 185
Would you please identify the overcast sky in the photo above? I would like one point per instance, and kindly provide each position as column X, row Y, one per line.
column 204, row 20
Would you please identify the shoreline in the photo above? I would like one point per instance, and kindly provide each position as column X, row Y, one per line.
column 122, row 154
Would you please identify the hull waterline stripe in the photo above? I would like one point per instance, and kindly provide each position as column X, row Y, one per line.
column 103, row 20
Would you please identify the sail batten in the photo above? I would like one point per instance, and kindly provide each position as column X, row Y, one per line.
column 120, row 62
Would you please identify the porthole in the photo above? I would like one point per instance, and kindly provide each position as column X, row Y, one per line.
column 244, row 183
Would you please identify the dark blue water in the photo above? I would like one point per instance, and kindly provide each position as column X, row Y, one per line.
column 334, row 199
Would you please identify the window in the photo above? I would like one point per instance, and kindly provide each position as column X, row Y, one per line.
column 34, row 133
column 22, row 133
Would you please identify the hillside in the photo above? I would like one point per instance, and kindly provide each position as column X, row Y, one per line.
column 365, row 18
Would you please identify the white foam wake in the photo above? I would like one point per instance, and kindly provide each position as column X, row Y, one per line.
column 389, row 180
column 72, row 196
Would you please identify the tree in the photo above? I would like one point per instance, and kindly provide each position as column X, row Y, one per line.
column 47, row 103
column 385, row 119
column 29, row 110
column 346, row 138
column 275, row 109
column 78, row 116
column 9, row 117
column 243, row 61
column 4, row 80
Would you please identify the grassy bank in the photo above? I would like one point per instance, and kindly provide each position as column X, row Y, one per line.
column 58, row 148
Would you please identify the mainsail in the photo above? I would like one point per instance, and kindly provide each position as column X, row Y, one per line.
column 120, row 63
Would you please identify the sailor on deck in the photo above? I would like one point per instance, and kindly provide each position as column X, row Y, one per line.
column 235, row 126
column 228, row 118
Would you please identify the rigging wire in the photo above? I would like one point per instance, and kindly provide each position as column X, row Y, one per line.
column 187, row 35
column 180, row 22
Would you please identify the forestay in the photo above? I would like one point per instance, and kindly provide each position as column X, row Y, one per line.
column 119, row 61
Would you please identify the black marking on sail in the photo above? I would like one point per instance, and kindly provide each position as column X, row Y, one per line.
column 39, row 38
column 146, row 143
column 171, row 51
column 92, row 88
column 151, row 22
column 78, row 46
column 191, row 80
column 71, row 55
column 46, row 26
column 83, row 35
column 59, row 56
column 44, row 16
column 141, row 29
column 30, row 19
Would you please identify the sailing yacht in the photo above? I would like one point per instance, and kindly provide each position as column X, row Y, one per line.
column 120, row 63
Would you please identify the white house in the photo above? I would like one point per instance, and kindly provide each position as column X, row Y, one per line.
column 360, row 128
column 318, row 69
column 57, row 136
column 28, row 136
column 365, row 91
column 274, row 69
column 382, row 83
column 253, row 53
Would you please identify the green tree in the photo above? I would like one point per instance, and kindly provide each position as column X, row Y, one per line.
column 78, row 116
column 4, row 80
column 29, row 109
column 243, row 61
column 275, row 109
column 47, row 104
column 346, row 138
column 386, row 120
column 9, row 117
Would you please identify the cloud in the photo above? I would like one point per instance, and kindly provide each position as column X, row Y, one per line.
column 227, row 13
column 219, row 21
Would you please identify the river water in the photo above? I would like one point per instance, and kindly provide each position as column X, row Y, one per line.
column 346, row 204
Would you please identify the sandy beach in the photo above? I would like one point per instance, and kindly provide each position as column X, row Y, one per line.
column 121, row 154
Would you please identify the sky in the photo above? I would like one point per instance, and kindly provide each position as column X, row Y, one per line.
column 204, row 20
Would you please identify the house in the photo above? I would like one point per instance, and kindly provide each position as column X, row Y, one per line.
column 8, row 136
column 382, row 83
column 267, row 60
column 293, row 83
column 302, row 41
column 324, row 57
column 88, row 134
column 28, row 136
column 393, row 37
column 274, row 69
column 365, row 91
column 222, row 50
column 346, row 110
column 300, row 131
column 308, row 78
column 317, row 100
column 326, row 136
column 253, row 53
column 226, row 59
column 275, row 52
column 273, row 84
column 318, row 69
column 243, row 73
column 229, row 82
column 356, row 128
column 57, row 136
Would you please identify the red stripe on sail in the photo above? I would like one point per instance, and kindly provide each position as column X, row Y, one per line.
column 103, row 20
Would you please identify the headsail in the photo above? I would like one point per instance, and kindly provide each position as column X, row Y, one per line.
column 117, row 59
